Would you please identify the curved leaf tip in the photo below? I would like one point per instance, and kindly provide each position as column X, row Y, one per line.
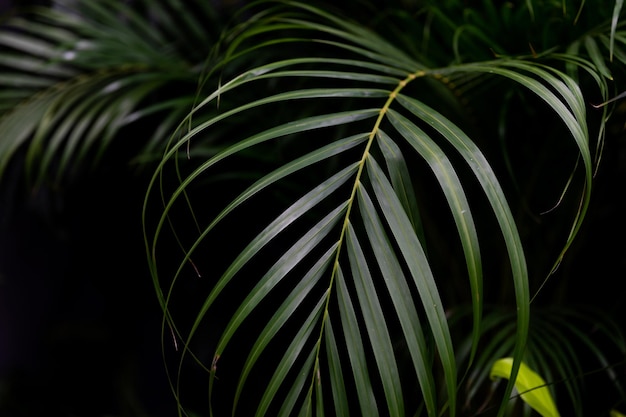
column 529, row 384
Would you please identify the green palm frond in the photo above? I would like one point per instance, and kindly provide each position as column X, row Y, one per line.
column 353, row 125
column 74, row 77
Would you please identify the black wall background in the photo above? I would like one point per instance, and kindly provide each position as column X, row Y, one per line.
column 79, row 321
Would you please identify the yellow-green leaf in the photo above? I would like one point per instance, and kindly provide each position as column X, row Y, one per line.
column 529, row 384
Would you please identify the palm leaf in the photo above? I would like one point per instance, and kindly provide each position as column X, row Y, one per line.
column 82, row 74
column 356, row 263
column 399, row 291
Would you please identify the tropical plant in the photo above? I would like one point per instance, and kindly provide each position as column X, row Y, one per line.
column 76, row 76
column 344, row 218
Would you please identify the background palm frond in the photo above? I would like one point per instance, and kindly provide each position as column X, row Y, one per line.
column 76, row 75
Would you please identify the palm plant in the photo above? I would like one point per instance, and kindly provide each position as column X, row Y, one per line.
column 77, row 74
column 348, row 199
